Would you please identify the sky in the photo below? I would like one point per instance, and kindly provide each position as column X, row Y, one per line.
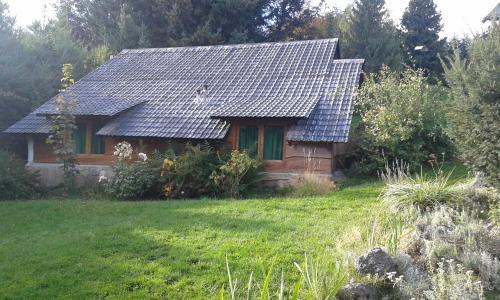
column 459, row 17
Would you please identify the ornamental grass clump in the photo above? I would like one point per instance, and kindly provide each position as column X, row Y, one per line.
column 403, row 191
column 320, row 279
column 310, row 184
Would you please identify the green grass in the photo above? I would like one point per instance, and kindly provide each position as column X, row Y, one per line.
column 160, row 249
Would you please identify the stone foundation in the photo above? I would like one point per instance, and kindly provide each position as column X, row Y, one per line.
column 51, row 174
column 283, row 180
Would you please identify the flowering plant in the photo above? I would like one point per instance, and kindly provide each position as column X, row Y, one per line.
column 143, row 156
column 123, row 150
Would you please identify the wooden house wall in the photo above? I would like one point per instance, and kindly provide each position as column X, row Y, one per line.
column 298, row 157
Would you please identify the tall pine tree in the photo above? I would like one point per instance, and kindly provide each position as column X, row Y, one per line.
column 421, row 24
column 372, row 36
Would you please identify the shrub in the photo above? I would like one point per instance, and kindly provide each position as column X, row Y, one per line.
column 188, row 175
column 310, row 184
column 133, row 179
column 402, row 118
column 16, row 182
column 136, row 180
column 452, row 281
column 474, row 115
column 459, row 236
column 237, row 175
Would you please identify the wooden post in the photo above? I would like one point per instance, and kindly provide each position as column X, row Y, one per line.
column 260, row 142
column 88, row 144
column 31, row 150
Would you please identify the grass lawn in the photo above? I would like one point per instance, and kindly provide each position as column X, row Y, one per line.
column 167, row 249
column 174, row 249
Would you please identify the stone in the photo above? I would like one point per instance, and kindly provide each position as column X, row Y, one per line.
column 375, row 263
column 358, row 291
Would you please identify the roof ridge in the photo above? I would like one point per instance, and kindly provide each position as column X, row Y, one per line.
column 242, row 45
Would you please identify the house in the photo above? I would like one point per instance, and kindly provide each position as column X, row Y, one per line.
column 289, row 104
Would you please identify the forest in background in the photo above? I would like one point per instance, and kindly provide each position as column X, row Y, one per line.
column 85, row 33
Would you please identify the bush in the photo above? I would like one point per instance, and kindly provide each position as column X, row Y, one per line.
column 134, row 180
column 237, row 175
column 16, row 182
column 402, row 118
column 474, row 115
column 310, row 184
column 188, row 175
column 197, row 171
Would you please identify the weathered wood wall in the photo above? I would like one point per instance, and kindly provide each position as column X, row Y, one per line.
column 297, row 157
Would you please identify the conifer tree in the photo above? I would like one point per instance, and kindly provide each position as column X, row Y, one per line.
column 474, row 115
column 372, row 36
column 421, row 25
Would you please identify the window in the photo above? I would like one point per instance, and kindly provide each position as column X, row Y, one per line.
column 248, row 140
column 80, row 137
column 98, row 145
column 273, row 143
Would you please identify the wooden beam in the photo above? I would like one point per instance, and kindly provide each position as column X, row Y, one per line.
column 88, row 139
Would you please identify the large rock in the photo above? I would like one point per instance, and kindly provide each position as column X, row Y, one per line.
column 358, row 291
column 375, row 263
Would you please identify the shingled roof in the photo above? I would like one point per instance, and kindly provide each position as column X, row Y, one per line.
column 191, row 92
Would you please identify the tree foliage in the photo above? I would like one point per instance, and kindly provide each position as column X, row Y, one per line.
column 63, row 126
column 475, row 113
column 123, row 24
column 402, row 119
column 421, row 25
column 372, row 36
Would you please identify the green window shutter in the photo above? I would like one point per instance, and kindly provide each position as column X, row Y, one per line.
column 248, row 140
column 98, row 145
column 273, row 143
column 80, row 137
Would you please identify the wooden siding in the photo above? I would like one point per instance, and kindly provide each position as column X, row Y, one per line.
column 295, row 155
column 298, row 157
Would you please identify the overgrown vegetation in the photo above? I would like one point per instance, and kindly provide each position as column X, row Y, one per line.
column 475, row 112
column 403, row 117
column 187, row 174
column 403, row 190
column 236, row 175
column 16, row 182
column 196, row 171
column 450, row 250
